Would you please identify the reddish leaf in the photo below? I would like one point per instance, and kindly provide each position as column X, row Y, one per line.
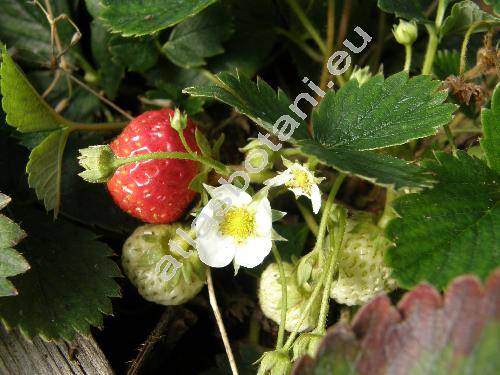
column 425, row 333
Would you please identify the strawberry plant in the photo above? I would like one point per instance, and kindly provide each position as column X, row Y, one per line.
column 266, row 187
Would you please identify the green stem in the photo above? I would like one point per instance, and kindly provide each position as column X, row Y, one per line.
column 465, row 43
column 433, row 38
column 281, row 330
column 301, row 44
column 319, row 245
column 254, row 331
column 107, row 126
column 328, row 206
column 307, row 25
column 308, row 218
column 408, row 51
column 336, row 242
column 431, row 49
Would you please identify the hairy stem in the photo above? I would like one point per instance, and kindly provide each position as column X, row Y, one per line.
column 319, row 245
column 465, row 43
column 451, row 141
column 301, row 44
column 336, row 244
column 308, row 218
column 304, row 20
column 281, row 330
column 220, row 323
column 344, row 22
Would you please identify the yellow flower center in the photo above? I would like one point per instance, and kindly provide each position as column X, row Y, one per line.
column 238, row 222
column 301, row 179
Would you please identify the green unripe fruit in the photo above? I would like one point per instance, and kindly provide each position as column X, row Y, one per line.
column 162, row 274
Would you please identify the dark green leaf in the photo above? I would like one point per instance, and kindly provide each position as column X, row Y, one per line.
column 137, row 54
column 408, row 9
column 446, row 63
column 110, row 73
column 463, row 15
column 451, row 229
column 11, row 262
column 68, row 288
column 253, row 38
column 25, row 28
column 490, row 119
column 199, row 37
column 258, row 100
column 378, row 168
column 137, row 17
column 381, row 113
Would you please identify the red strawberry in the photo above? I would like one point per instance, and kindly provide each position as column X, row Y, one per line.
column 155, row 191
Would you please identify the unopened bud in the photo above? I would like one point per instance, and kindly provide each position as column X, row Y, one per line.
column 99, row 163
column 406, row 32
column 361, row 75
column 179, row 120
column 274, row 363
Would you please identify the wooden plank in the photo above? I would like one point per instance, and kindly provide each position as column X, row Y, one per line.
column 21, row 357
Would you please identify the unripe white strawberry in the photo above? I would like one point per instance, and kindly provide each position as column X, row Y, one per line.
column 270, row 298
column 362, row 273
column 145, row 255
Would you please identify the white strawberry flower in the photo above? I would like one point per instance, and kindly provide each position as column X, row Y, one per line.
column 301, row 181
column 234, row 226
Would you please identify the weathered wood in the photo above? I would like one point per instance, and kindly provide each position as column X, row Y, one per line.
column 20, row 357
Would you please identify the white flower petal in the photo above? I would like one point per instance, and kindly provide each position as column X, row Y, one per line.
column 279, row 180
column 232, row 195
column 263, row 218
column 315, row 198
column 215, row 250
column 253, row 251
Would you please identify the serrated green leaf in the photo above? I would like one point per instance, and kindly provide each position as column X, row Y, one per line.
column 258, row 100
column 24, row 27
column 137, row 17
column 70, row 283
column 110, row 73
column 199, row 37
column 448, row 230
column 377, row 168
column 446, row 63
column 44, row 169
column 408, row 9
column 381, row 113
column 25, row 109
column 11, row 262
column 137, row 54
column 490, row 119
column 28, row 112
column 463, row 15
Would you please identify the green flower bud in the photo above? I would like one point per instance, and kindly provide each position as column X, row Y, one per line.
column 158, row 263
column 406, row 32
column 257, row 154
column 306, row 343
column 361, row 75
column 179, row 120
column 270, row 298
column 274, row 363
column 362, row 272
column 99, row 163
